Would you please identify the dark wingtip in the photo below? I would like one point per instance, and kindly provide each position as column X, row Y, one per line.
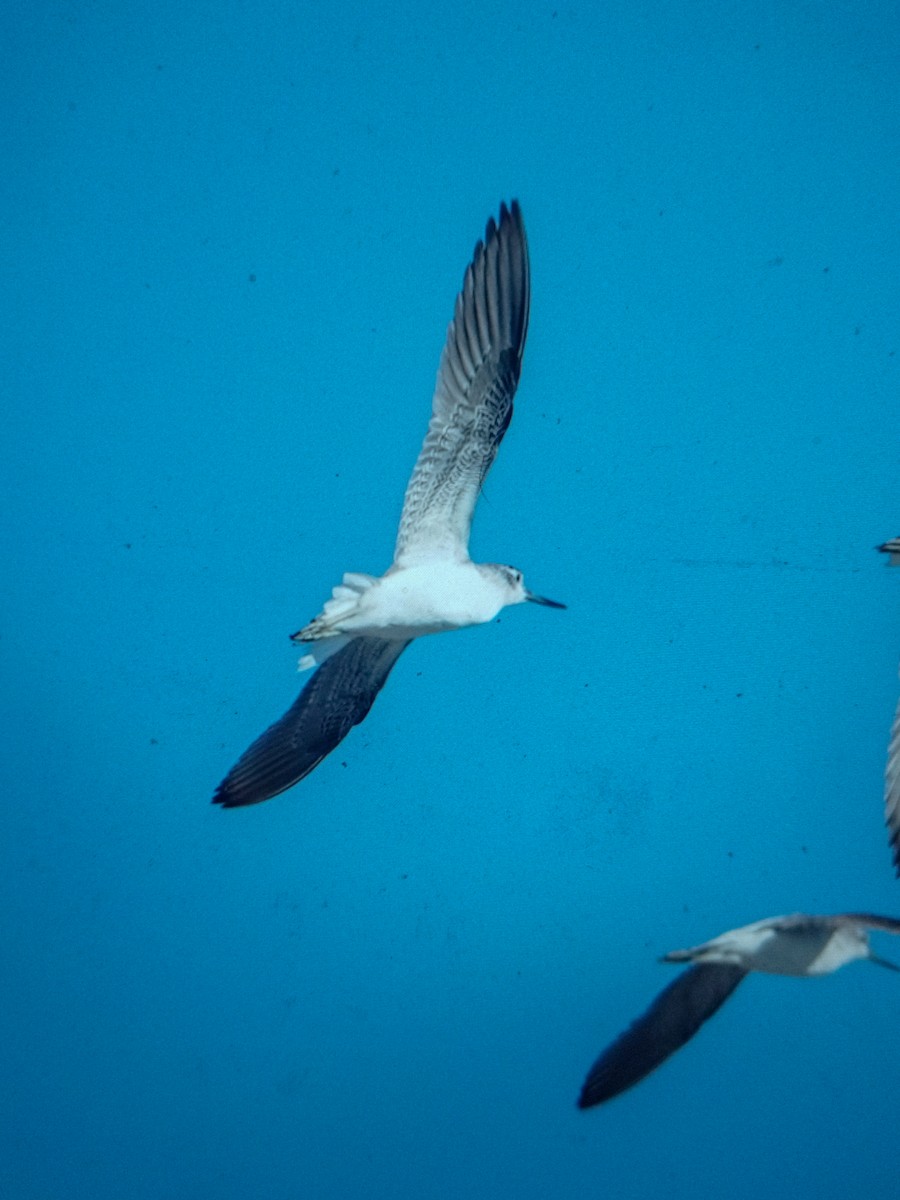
column 508, row 215
column 225, row 797
column 233, row 795
column 511, row 215
column 668, row 1024
column 337, row 696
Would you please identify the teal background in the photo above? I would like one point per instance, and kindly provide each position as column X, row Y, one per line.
column 231, row 240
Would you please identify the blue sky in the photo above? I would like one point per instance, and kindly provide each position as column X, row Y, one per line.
column 232, row 238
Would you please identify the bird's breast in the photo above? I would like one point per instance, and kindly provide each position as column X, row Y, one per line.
column 434, row 598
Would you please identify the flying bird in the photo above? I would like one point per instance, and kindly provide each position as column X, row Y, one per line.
column 794, row 945
column 432, row 586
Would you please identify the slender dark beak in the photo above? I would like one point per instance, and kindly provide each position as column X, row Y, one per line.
column 543, row 600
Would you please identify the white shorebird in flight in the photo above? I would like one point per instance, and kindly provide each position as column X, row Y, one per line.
column 432, row 586
column 892, row 771
column 795, row 945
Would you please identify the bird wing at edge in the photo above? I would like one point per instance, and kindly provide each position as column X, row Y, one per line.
column 892, row 791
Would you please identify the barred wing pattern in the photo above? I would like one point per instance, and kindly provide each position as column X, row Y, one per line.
column 473, row 398
column 337, row 697
column 892, row 773
column 892, row 791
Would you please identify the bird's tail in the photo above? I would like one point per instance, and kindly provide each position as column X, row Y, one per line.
column 344, row 604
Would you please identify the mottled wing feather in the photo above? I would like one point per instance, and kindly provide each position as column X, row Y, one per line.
column 892, row 791
column 892, row 772
column 671, row 1020
column 473, row 398
column 337, row 697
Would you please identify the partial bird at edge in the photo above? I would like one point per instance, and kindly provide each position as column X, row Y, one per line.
column 892, row 770
column 800, row 945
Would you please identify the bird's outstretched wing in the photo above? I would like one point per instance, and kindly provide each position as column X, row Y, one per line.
column 892, row 791
column 892, row 772
column 473, row 396
column 872, row 921
column 671, row 1020
column 337, row 697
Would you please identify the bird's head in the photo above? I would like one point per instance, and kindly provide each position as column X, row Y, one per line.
column 517, row 592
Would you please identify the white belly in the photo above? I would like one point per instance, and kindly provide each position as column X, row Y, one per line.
column 427, row 598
